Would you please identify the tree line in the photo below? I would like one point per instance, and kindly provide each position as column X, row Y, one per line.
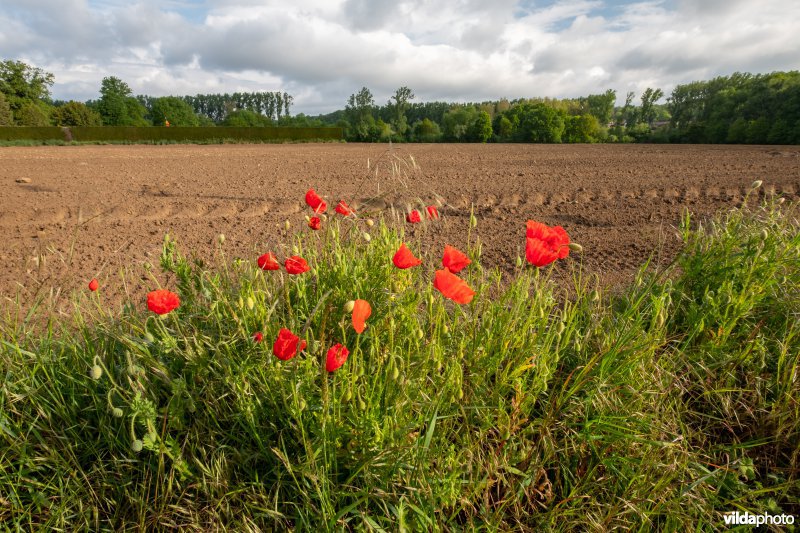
column 740, row 108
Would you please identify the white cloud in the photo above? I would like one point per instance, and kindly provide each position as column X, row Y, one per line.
column 465, row 50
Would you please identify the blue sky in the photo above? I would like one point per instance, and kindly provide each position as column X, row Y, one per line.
column 321, row 51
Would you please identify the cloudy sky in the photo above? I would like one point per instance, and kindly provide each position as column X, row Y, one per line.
column 321, row 51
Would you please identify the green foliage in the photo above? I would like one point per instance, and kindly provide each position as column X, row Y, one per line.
column 23, row 84
column 20, row 133
column 33, row 114
column 481, row 128
column 358, row 113
column 6, row 116
column 244, row 118
column 426, row 131
column 581, row 129
column 75, row 114
column 172, row 109
column 117, row 106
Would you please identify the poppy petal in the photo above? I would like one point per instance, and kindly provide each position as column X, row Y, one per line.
column 454, row 259
column 162, row 301
column 296, row 265
column 268, row 261
column 403, row 258
column 538, row 253
column 453, row 287
column 315, row 202
column 287, row 345
column 361, row 312
column 414, row 217
column 336, row 357
column 343, row 209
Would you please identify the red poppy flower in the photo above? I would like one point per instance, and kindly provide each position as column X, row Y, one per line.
column 337, row 355
column 258, row 336
column 315, row 202
column 453, row 287
column 314, row 223
column 344, row 209
column 433, row 213
column 403, row 258
column 287, row 345
column 361, row 312
column 544, row 244
column 94, row 285
column 414, row 217
column 268, row 261
column 162, row 301
column 296, row 265
column 454, row 259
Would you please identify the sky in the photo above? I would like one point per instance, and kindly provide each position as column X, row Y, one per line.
column 322, row 51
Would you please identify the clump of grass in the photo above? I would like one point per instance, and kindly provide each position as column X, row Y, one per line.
column 661, row 408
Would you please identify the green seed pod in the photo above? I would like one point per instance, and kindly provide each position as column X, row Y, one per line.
column 137, row 445
column 117, row 412
column 97, row 372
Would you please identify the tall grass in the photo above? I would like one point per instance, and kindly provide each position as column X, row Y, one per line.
column 534, row 407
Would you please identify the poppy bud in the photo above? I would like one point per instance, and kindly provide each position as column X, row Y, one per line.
column 117, row 412
column 287, row 225
column 367, row 237
column 94, row 285
column 97, row 372
column 560, row 328
column 302, row 404
column 420, row 334
column 308, row 218
column 781, row 200
column 519, row 261
column 348, row 306
column 473, row 221
column 756, row 184
column 575, row 247
column 348, row 395
column 241, row 303
column 221, row 238
column 295, row 250
column 362, row 405
column 370, row 222
column 764, row 234
column 594, row 296
column 137, row 445
column 460, row 393
column 250, row 303
column 395, row 373
column 149, row 337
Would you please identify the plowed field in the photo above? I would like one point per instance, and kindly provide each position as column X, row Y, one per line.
column 72, row 213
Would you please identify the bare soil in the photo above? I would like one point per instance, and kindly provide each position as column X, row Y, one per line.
column 68, row 214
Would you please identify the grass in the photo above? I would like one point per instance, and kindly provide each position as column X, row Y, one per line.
column 534, row 407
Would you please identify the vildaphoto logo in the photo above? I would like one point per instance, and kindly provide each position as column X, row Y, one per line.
column 747, row 519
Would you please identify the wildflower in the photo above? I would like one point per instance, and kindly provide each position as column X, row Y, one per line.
column 454, row 259
column 268, row 261
column 343, row 209
column 287, row 345
column 296, row 265
column 315, row 202
column 414, row 217
column 162, row 301
column 94, row 285
column 361, row 312
column 314, row 223
column 453, row 287
column 545, row 244
column 433, row 213
column 337, row 355
column 258, row 337
column 403, row 258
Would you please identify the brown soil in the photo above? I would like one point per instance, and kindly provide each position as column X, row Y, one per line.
column 72, row 213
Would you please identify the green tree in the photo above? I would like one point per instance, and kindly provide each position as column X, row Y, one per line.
column 480, row 130
column 581, row 129
column 33, row 114
column 22, row 85
column 6, row 116
column 426, row 131
column 75, row 114
column 358, row 113
column 401, row 97
column 117, row 105
column 601, row 106
column 246, row 118
column 176, row 110
column 649, row 98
